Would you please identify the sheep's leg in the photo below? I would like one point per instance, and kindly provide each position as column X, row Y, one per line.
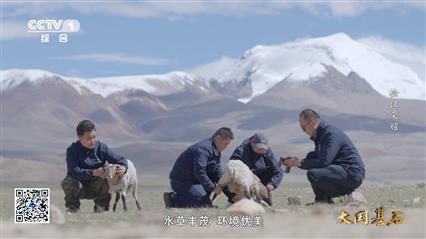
column 136, row 199
column 247, row 193
column 123, row 198
column 117, row 197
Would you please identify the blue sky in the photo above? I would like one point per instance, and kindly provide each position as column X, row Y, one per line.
column 124, row 38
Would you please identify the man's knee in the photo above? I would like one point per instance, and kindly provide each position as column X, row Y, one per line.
column 313, row 175
column 94, row 188
column 70, row 185
column 197, row 196
column 103, row 190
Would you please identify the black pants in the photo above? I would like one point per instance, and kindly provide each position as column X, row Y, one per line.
column 75, row 190
column 190, row 194
column 333, row 181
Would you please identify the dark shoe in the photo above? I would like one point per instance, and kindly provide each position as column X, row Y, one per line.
column 168, row 198
column 72, row 211
column 99, row 209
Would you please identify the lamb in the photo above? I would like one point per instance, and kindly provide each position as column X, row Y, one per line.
column 122, row 185
column 241, row 181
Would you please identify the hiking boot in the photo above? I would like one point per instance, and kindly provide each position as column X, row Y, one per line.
column 71, row 211
column 168, row 198
column 99, row 209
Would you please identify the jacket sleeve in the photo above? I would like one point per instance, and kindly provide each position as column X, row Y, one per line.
column 200, row 164
column 74, row 169
column 277, row 172
column 218, row 172
column 311, row 154
column 329, row 148
column 112, row 157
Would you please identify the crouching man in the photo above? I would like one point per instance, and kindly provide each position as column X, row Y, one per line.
column 85, row 175
column 197, row 171
column 335, row 168
column 258, row 156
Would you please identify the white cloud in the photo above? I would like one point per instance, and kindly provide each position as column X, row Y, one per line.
column 346, row 9
column 14, row 29
column 176, row 9
column 116, row 58
column 399, row 52
column 340, row 9
column 215, row 69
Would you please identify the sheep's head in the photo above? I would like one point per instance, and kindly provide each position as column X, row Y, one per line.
column 110, row 170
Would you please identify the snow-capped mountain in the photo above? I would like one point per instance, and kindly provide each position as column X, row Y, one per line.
column 262, row 67
column 256, row 72
column 157, row 85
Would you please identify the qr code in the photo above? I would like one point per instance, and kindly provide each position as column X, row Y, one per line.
column 32, row 205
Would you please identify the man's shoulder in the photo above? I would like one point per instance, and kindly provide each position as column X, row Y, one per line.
column 101, row 145
column 327, row 128
column 244, row 145
column 73, row 146
column 205, row 144
column 333, row 130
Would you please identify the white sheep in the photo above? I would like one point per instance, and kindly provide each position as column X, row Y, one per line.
column 122, row 185
column 246, row 206
column 241, row 181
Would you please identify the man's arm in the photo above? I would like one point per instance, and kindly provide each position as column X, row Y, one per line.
column 112, row 157
column 199, row 165
column 218, row 172
column 277, row 172
column 74, row 169
column 311, row 154
column 329, row 149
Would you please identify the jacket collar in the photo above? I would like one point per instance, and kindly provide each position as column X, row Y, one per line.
column 319, row 132
column 85, row 150
column 215, row 151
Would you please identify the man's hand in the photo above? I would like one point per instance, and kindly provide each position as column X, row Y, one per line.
column 120, row 170
column 270, row 187
column 99, row 172
column 291, row 162
column 218, row 189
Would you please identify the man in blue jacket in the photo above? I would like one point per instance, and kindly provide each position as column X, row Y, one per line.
column 85, row 175
column 197, row 171
column 258, row 156
column 335, row 167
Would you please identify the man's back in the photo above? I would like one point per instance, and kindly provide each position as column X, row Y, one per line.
column 183, row 169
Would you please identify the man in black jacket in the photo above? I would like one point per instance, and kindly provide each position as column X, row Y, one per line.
column 85, row 175
column 335, row 168
column 197, row 171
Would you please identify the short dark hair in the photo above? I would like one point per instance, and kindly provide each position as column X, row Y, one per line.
column 85, row 126
column 224, row 133
column 309, row 114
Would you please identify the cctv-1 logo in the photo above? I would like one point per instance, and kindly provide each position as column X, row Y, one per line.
column 53, row 25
